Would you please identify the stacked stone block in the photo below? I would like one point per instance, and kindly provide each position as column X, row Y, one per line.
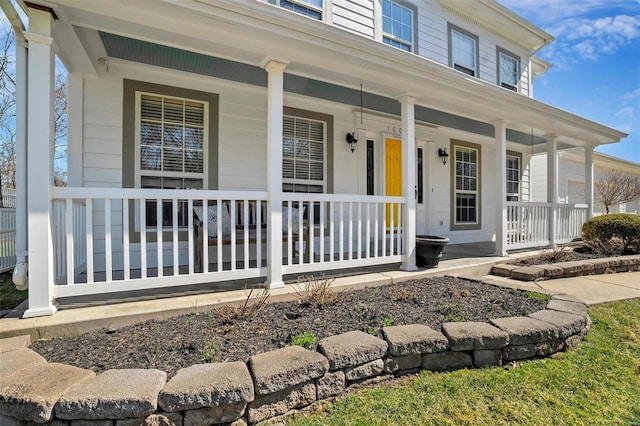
column 273, row 383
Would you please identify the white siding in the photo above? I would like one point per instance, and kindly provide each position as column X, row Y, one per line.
column 354, row 15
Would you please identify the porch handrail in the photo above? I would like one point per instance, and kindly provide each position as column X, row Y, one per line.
column 137, row 193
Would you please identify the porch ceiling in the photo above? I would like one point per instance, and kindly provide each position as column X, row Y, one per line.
column 248, row 32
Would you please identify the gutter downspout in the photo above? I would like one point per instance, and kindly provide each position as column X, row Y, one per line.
column 20, row 275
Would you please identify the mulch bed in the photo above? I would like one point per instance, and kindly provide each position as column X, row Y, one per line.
column 182, row 341
column 552, row 257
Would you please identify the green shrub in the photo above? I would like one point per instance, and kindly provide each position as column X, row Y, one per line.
column 305, row 339
column 604, row 231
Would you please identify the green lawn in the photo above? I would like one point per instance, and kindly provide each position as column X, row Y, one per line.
column 9, row 296
column 598, row 383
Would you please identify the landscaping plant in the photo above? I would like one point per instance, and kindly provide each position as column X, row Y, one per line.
column 613, row 233
column 253, row 304
column 304, row 339
column 316, row 292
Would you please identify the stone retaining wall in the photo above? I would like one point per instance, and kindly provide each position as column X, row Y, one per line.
column 568, row 269
column 272, row 383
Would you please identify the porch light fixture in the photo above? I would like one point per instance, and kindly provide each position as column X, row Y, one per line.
column 352, row 141
column 442, row 153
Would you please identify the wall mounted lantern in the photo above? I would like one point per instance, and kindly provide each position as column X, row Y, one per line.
column 352, row 141
column 442, row 153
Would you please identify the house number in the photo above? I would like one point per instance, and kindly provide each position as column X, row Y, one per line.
column 394, row 129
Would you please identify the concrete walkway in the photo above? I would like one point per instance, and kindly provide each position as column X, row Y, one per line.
column 592, row 289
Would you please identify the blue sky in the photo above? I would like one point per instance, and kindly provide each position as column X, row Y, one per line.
column 596, row 62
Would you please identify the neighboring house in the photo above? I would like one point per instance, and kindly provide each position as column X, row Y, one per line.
column 571, row 179
column 252, row 109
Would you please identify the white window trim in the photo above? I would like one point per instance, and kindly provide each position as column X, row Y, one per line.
column 519, row 181
column 410, row 44
column 295, row 181
column 138, row 171
column 457, row 191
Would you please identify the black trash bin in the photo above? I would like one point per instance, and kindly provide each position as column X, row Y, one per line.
column 429, row 250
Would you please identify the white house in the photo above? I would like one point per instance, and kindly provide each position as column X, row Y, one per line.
column 571, row 178
column 252, row 109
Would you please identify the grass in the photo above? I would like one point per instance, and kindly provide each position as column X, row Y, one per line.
column 595, row 384
column 304, row 339
column 9, row 296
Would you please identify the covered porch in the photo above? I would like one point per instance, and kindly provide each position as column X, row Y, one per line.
column 109, row 233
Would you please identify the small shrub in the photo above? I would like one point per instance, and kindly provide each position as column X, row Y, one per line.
column 401, row 293
column 452, row 312
column 606, row 233
column 455, row 294
column 212, row 354
column 316, row 292
column 305, row 339
column 387, row 322
column 252, row 305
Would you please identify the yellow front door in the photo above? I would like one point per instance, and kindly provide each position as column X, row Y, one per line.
column 393, row 174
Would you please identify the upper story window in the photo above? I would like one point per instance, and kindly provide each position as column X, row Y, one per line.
column 397, row 25
column 463, row 51
column 310, row 8
column 508, row 70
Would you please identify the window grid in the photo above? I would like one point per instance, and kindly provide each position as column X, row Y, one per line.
column 303, row 155
column 310, row 8
column 508, row 71
column 466, row 176
column 463, row 50
column 397, row 25
column 513, row 178
column 170, row 149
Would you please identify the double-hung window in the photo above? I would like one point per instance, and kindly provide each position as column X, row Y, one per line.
column 463, row 51
column 303, row 155
column 397, row 25
column 513, row 177
column 310, row 8
column 508, row 70
column 171, row 150
column 466, row 186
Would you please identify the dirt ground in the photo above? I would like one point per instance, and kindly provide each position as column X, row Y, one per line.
column 179, row 342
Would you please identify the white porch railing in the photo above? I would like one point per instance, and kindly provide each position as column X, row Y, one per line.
column 528, row 223
column 7, row 239
column 112, row 239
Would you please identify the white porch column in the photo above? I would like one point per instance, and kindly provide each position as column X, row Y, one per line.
column 552, row 186
column 407, row 102
column 74, row 128
column 501, row 186
column 21, row 160
column 275, row 104
column 40, row 135
column 588, row 179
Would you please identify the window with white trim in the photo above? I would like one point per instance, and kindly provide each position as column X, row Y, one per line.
column 170, row 149
column 513, row 178
column 310, row 8
column 508, row 70
column 397, row 25
column 303, row 155
column 466, row 185
column 463, row 51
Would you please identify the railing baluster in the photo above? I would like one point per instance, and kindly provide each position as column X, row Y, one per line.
column 107, row 240
column 331, row 232
column 219, row 207
column 350, row 231
column 176, row 261
column 302, row 239
column 69, row 240
column 312, row 221
column 205, row 235
column 341, row 241
column 190, row 235
column 89, row 232
column 359, row 230
column 258, row 233
column 245, row 212
column 368, row 232
column 159, row 241
column 143, row 238
column 126, row 255
column 321, row 231
column 234, row 224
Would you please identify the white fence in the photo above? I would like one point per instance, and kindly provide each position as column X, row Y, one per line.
column 108, row 240
column 528, row 223
column 7, row 239
column 8, row 197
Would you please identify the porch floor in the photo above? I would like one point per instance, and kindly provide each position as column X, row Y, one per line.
column 120, row 309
